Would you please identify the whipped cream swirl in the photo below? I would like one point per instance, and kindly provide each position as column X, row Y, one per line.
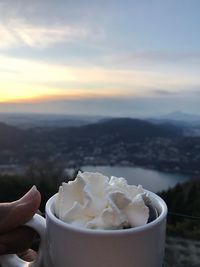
column 94, row 201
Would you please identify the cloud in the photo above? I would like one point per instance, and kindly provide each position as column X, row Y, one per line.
column 161, row 92
column 20, row 33
column 26, row 79
column 153, row 56
column 40, row 24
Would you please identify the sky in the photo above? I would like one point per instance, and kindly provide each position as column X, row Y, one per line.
column 117, row 58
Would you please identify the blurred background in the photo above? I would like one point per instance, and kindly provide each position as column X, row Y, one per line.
column 108, row 86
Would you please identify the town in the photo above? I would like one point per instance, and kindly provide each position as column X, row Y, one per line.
column 75, row 147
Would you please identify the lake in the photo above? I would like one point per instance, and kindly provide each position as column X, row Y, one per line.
column 150, row 179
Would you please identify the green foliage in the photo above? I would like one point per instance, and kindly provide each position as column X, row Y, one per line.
column 47, row 176
column 13, row 187
column 183, row 203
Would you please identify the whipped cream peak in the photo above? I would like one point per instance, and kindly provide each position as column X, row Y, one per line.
column 94, row 201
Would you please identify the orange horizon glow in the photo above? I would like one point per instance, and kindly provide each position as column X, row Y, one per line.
column 30, row 81
column 63, row 96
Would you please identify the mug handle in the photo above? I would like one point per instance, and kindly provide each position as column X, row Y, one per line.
column 38, row 223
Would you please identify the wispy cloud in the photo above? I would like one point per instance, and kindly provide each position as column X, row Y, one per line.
column 19, row 33
column 161, row 92
column 160, row 56
column 32, row 79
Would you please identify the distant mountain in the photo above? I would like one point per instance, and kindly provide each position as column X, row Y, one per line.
column 77, row 143
column 26, row 121
column 189, row 123
column 132, row 128
column 181, row 116
column 115, row 130
column 177, row 118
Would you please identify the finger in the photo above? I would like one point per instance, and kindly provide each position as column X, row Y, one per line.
column 17, row 241
column 19, row 212
column 28, row 255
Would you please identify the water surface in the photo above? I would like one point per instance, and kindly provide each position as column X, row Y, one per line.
column 150, row 179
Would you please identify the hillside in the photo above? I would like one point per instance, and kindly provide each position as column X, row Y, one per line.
column 30, row 121
column 183, row 203
column 130, row 128
column 112, row 141
column 11, row 137
column 117, row 130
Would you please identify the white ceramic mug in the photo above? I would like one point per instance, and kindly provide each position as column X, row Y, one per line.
column 63, row 245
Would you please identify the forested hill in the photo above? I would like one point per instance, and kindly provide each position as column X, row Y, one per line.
column 127, row 129
column 121, row 129
column 112, row 141
column 183, row 203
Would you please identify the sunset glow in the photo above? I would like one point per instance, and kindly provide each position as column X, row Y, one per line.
column 60, row 53
column 26, row 80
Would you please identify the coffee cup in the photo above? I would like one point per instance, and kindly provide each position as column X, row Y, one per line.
column 63, row 245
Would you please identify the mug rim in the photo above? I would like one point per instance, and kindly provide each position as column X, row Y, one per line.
column 60, row 223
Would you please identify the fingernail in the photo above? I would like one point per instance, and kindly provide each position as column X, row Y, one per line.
column 33, row 189
column 2, row 249
column 30, row 194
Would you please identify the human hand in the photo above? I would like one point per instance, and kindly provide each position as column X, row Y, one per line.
column 14, row 236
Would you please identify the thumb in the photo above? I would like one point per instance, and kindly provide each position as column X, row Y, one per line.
column 17, row 213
